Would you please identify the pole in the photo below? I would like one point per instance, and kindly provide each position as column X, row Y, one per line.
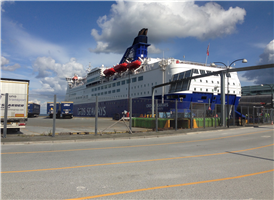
column 130, row 114
column 96, row 116
column 156, row 118
column 176, row 114
column 191, row 116
column 6, row 114
column 204, row 114
column 223, row 99
column 152, row 102
column 228, row 113
column 54, row 116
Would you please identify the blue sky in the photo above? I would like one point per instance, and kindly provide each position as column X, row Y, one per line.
column 46, row 41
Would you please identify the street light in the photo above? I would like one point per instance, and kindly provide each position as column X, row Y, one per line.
column 227, row 74
column 271, row 87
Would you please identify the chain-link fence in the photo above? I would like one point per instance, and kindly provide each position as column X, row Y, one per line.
column 257, row 114
column 103, row 114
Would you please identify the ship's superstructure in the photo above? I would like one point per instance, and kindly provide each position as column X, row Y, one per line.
column 134, row 77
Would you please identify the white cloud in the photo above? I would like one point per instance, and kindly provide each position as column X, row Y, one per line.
column 5, row 61
column 267, row 57
column 164, row 20
column 46, row 66
column 52, row 74
column 265, row 75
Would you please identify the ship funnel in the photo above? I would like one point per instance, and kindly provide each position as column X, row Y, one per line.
column 138, row 48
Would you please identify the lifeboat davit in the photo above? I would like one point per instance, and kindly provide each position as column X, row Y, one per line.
column 121, row 68
column 109, row 72
column 134, row 65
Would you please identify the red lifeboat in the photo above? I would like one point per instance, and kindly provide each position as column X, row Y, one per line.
column 109, row 72
column 121, row 68
column 134, row 65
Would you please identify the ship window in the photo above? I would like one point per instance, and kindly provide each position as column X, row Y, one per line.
column 102, row 93
column 234, row 92
column 109, row 92
column 175, row 77
column 212, row 81
column 201, row 80
column 106, row 92
column 113, row 84
column 118, row 90
column 123, row 82
column 95, row 89
column 207, row 81
column 113, row 91
column 144, row 85
column 217, row 90
column 194, row 89
column 144, row 92
column 118, row 83
column 233, row 83
column 98, row 94
column 92, row 90
column 128, row 80
column 200, row 89
column 188, row 74
column 109, row 85
column 207, row 90
column 228, row 75
column 195, row 71
column 98, row 88
column 203, row 97
column 151, row 84
column 208, row 72
column 106, row 86
column 194, row 80
column 134, row 80
column 202, row 71
column 218, row 82
column 140, row 78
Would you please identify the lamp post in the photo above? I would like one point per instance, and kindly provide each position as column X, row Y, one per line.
column 271, row 88
column 227, row 74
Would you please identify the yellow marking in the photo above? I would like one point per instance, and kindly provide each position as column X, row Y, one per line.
column 171, row 186
column 136, row 161
column 144, row 145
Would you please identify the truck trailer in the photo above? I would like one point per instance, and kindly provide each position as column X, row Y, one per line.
column 33, row 109
column 67, row 109
column 17, row 110
column 50, row 109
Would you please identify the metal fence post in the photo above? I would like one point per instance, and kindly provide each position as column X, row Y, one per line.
column 253, row 117
column 96, row 115
column 176, row 114
column 248, row 115
column 191, row 123
column 233, row 115
column 215, row 115
column 204, row 113
column 156, row 117
column 130, row 114
column 6, row 114
column 54, row 116
column 241, row 115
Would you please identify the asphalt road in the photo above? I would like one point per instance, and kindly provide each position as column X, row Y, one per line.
column 222, row 164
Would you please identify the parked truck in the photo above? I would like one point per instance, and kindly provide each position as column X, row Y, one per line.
column 17, row 110
column 67, row 109
column 50, row 109
column 33, row 109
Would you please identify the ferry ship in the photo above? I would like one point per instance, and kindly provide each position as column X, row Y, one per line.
column 134, row 78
